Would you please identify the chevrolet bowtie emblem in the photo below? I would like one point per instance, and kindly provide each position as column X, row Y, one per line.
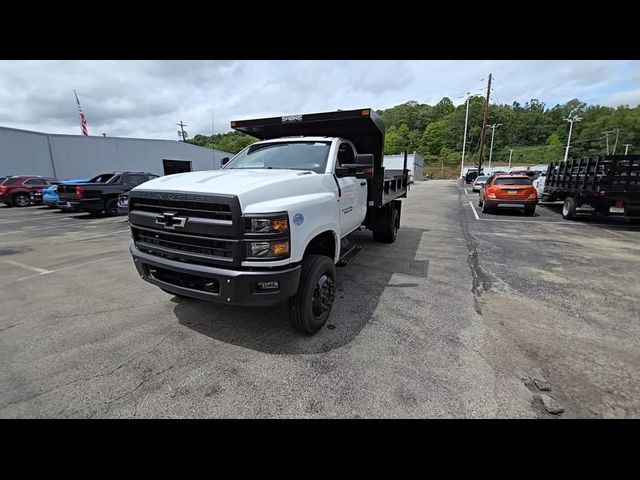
column 170, row 221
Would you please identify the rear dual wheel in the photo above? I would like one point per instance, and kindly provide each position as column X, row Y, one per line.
column 569, row 208
column 386, row 224
column 111, row 207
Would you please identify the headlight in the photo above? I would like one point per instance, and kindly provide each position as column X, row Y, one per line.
column 275, row 224
column 275, row 249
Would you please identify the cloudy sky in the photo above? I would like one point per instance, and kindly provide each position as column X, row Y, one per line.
column 148, row 98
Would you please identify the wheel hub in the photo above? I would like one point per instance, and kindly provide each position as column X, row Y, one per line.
column 323, row 295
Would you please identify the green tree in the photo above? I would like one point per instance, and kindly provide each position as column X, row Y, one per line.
column 433, row 138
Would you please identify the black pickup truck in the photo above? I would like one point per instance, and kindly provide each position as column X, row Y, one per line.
column 100, row 194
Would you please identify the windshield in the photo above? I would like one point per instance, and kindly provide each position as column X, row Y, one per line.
column 482, row 179
column 286, row 155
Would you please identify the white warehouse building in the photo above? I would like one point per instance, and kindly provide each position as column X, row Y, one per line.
column 23, row 152
column 415, row 164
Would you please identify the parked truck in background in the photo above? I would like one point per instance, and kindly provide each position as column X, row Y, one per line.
column 608, row 185
column 272, row 224
column 100, row 194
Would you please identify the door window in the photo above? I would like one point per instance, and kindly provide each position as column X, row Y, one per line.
column 345, row 154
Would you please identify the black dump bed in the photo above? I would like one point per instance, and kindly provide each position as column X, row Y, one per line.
column 363, row 127
column 612, row 174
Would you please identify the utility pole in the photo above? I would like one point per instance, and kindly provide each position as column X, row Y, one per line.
column 442, row 168
column 626, row 148
column 484, row 125
column 617, row 130
column 510, row 153
column 182, row 132
column 493, row 132
column 606, row 134
column 575, row 118
column 464, row 138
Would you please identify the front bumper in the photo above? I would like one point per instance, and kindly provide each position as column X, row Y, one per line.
column 233, row 287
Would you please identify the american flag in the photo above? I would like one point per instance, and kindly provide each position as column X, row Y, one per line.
column 83, row 119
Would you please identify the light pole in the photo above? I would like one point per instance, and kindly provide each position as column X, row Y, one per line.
column 575, row 118
column 493, row 132
column 464, row 138
column 510, row 153
column 626, row 148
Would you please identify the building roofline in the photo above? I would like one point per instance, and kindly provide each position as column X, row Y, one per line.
column 96, row 137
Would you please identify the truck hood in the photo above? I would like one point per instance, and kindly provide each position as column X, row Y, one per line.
column 250, row 185
column 230, row 182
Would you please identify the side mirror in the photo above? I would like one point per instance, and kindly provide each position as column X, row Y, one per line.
column 363, row 168
column 225, row 160
column 364, row 159
column 354, row 170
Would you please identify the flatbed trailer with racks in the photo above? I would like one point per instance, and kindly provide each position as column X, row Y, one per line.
column 608, row 185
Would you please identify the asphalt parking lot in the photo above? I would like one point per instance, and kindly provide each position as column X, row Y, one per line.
column 466, row 315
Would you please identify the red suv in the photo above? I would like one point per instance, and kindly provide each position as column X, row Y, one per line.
column 508, row 190
column 17, row 191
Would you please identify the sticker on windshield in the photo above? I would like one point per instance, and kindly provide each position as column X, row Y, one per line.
column 298, row 218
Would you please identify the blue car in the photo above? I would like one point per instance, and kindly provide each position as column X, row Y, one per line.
column 50, row 194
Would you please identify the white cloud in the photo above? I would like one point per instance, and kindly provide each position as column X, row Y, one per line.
column 148, row 98
column 629, row 97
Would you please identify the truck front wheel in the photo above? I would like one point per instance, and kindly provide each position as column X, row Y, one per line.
column 311, row 306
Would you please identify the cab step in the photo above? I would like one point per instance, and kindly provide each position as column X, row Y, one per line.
column 348, row 256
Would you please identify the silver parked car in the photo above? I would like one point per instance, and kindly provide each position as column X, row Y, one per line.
column 479, row 182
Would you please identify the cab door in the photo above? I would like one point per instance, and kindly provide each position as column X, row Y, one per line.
column 349, row 203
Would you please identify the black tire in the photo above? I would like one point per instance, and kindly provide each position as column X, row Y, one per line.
column 21, row 200
column 485, row 208
column 479, row 202
column 569, row 209
column 386, row 224
column 529, row 211
column 111, row 207
column 310, row 307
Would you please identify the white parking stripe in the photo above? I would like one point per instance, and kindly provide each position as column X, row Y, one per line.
column 614, row 233
column 95, row 236
column 474, row 211
column 76, row 265
column 41, row 271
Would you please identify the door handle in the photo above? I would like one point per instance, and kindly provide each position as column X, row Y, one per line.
column 362, row 184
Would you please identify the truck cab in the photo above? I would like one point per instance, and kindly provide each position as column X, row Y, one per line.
column 272, row 224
